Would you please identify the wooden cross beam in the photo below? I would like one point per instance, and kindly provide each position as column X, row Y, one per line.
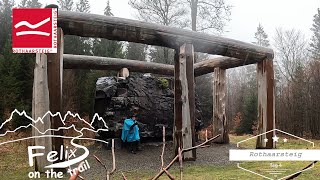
column 208, row 66
column 106, row 63
column 120, row 29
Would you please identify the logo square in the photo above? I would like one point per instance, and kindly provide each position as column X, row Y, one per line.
column 34, row 30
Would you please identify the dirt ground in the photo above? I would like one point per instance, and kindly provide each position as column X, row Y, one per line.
column 149, row 158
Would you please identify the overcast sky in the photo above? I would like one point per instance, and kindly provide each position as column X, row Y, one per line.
column 245, row 17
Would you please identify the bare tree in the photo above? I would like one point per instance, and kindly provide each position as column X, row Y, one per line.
column 165, row 12
column 290, row 51
column 209, row 15
column 292, row 55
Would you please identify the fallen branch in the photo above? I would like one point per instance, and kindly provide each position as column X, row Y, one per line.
column 76, row 173
column 162, row 154
column 180, row 161
column 124, row 177
column 109, row 173
column 163, row 145
column 105, row 167
column 169, row 175
column 299, row 173
column 113, row 158
column 199, row 145
column 205, row 146
column 177, row 156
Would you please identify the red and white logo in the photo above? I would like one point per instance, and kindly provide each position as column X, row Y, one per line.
column 34, row 30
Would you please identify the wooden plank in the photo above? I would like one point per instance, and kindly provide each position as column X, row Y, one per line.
column 105, row 63
column 220, row 125
column 40, row 107
column 55, row 70
column 186, row 78
column 208, row 66
column 114, row 28
column 266, row 103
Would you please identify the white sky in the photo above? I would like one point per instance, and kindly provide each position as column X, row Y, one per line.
column 245, row 15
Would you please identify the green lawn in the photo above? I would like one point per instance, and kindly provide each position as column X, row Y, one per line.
column 13, row 164
column 219, row 173
column 292, row 143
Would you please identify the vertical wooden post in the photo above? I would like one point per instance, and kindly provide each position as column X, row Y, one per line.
column 177, row 128
column 220, row 125
column 40, row 106
column 184, row 122
column 55, row 70
column 266, row 103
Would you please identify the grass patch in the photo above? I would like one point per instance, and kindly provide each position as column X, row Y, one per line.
column 292, row 143
column 218, row 173
column 14, row 165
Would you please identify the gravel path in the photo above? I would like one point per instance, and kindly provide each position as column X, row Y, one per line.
column 149, row 158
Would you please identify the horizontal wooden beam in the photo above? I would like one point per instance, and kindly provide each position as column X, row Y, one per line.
column 104, row 63
column 207, row 66
column 114, row 28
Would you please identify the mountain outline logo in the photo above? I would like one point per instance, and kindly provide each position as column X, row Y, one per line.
column 68, row 162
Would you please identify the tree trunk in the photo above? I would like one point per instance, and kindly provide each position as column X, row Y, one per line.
column 40, row 107
column 219, row 107
column 194, row 12
column 55, row 70
column 184, row 128
column 266, row 104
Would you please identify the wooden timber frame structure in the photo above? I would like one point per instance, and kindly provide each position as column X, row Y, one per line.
column 49, row 67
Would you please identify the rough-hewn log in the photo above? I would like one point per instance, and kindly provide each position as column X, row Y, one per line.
column 266, row 103
column 220, row 125
column 207, row 66
column 177, row 127
column 186, row 95
column 113, row 28
column 40, row 106
column 55, row 70
column 105, row 63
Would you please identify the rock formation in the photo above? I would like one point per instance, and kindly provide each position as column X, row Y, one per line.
column 152, row 98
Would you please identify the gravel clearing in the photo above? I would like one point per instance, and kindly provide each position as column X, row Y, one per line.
column 149, row 159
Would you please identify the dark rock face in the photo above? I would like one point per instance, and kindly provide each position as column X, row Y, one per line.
column 152, row 98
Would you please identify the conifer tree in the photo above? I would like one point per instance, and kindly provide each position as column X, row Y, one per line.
column 315, row 40
column 100, row 47
column 261, row 37
column 107, row 48
column 251, row 88
column 66, row 5
column 136, row 51
column 5, row 22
